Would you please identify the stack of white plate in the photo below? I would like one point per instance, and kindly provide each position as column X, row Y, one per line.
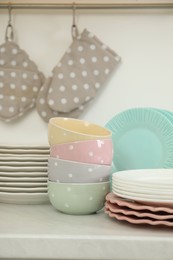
column 23, row 174
column 148, row 186
column 142, row 196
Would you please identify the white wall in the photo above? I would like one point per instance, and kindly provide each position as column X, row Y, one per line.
column 143, row 39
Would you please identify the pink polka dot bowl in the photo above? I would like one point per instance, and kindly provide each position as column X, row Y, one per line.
column 65, row 171
column 88, row 151
column 78, row 198
column 65, row 130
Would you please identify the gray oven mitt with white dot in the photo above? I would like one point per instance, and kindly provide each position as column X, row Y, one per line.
column 44, row 110
column 20, row 81
column 84, row 68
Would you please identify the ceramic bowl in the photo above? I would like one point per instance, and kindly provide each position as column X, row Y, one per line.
column 65, row 130
column 88, row 151
column 65, row 171
column 78, row 199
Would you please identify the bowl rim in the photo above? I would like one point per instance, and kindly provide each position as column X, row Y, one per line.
column 109, row 133
column 78, row 184
column 109, row 139
column 50, row 158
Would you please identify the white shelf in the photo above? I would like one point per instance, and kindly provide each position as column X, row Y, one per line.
column 41, row 232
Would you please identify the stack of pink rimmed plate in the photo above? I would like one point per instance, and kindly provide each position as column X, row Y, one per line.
column 142, row 196
column 23, row 174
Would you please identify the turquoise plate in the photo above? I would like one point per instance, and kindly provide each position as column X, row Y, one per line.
column 142, row 138
column 167, row 113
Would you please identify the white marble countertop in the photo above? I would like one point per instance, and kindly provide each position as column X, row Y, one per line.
column 41, row 232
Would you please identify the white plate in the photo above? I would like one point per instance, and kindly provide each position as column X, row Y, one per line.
column 23, row 189
column 24, row 163
column 24, row 157
column 24, row 174
column 23, row 184
column 31, row 179
column 143, row 185
column 143, row 195
column 19, row 151
column 147, row 201
column 22, row 146
column 23, row 169
column 146, row 176
column 145, row 188
column 24, row 198
column 25, row 147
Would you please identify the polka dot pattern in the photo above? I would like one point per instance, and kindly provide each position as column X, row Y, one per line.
column 84, row 69
column 21, row 79
column 67, row 171
column 92, row 152
column 44, row 110
column 81, row 200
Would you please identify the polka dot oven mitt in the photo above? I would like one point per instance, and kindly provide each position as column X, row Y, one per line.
column 44, row 110
column 83, row 69
column 20, row 81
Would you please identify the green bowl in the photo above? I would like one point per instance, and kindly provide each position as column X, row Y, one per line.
column 78, row 198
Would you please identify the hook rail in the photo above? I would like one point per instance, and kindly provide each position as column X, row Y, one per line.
column 117, row 5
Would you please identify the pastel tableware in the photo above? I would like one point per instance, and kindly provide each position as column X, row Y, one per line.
column 24, row 198
column 137, row 213
column 142, row 138
column 78, row 199
column 88, row 151
column 159, row 182
column 125, row 203
column 23, row 174
column 160, row 190
column 145, row 176
column 134, row 220
column 23, row 189
column 65, row 171
column 64, row 130
column 154, row 196
column 148, row 201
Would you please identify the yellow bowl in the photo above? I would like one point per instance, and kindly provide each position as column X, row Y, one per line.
column 64, row 130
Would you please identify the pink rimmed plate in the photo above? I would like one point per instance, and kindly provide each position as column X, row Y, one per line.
column 135, row 205
column 140, row 214
column 136, row 220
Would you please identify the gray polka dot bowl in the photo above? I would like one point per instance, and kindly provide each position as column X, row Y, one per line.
column 64, row 130
column 88, row 151
column 65, row 171
column 78, row 199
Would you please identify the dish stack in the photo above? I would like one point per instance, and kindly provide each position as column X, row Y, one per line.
column 142, row 196
column 23, row 174
column 79, row 165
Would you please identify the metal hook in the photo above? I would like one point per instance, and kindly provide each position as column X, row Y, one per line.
column 9, row 35
column 74, row 29
column 74, row 14
column 9, row 13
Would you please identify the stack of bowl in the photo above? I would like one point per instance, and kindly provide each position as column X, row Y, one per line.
column 79, row 165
